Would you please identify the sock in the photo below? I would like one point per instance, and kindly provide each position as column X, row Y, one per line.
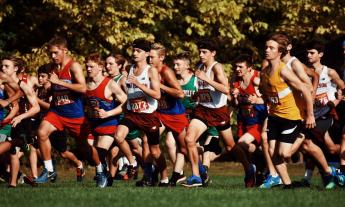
column 181, row 173
column 80, row 166
column 48, row 164
column 308, row 174
column 202, row 168
column 102, row 153
column 166, row 180
column 99, row 168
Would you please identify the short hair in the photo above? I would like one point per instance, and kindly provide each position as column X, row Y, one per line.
column 95, row 57
column 119, row 60
column 185, row 55
column 46, row 68
column 18, row 62
column 244, row 58
column 159, row 47
column 57, row 41
column 317, row 45
column 208, row 44
column 282, row 40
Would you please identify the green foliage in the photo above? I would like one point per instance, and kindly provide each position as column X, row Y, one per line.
column 105, row 26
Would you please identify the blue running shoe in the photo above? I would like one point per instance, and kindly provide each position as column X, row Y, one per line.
column 328, row 181
column 193, row 181
column 271, row 182
column 102, row 180
column 46, row 176
column 340, row 178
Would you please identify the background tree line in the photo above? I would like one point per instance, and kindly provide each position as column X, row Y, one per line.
column 107, row 26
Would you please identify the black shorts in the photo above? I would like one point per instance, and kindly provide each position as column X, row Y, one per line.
column 317, row 134
column 24, row 133
column 283, row 130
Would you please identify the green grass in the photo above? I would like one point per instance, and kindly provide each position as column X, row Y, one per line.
column 226, row 190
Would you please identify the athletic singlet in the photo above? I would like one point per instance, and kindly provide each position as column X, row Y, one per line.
column 289, row 63
column 23, row 102
column 168, row 104
column 65, row 102
column 95, row 99
column 279, row 96
column 44, row 95
column 249, row 113
column 189, row 90
column 138, row 101
column 208, row 96
column 325, row 92
column 117, row 78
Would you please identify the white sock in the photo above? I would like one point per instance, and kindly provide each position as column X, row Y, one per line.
column 99, row 168
column 181, row 173
column 80, row 166
column 165, row 180
column 48, row 164
column 134, row 164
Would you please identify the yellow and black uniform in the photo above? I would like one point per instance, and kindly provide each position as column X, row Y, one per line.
column 284, row 120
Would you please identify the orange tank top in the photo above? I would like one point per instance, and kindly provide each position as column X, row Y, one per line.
column 279, row 95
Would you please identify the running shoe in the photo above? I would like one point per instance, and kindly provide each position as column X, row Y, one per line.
column 340, row 178
column 30, row 181
column 102, row 179
column 80, row 174
column 193, row 181
column 271, row 182
column 46, row 176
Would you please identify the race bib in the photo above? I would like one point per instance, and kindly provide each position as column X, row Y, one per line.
column 138, row 104
column 321, row 99
column 273, row 100
column 163, row 103
column 62, row 98
column 204, row 96
column 248, row 111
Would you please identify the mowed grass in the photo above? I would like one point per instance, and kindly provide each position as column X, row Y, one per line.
column 226, row 190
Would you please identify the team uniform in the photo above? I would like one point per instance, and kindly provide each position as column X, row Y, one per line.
column 171, row 111
column 211, row 109
column 97, row 100
column 250, row 117
column 66, row 108
column 141, row 109
column 284, row 120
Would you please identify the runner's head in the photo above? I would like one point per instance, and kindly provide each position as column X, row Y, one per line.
column 57, row 49
column 182, row 62
column 13, row 64
column 94, row 65
column 157, row 54
column 207, row 50
column 141, row 49
column 43, row 73
column 115, row 63
column 243, row 64
column 315, row 51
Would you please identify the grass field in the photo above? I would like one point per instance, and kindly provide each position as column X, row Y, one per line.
column 226, row 190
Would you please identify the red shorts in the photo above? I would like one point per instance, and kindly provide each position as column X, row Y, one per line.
column 254, row 130
column 176, row 123
column 147, row 122
column 212, row 116
column 104, row 130
column 77, row 127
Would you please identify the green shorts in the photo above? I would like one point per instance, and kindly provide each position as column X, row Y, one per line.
column 133, row 134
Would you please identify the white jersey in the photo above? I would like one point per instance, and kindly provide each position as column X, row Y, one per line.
column 208, row 95
column 289, row 63
column 138, row 101
column 325, row 90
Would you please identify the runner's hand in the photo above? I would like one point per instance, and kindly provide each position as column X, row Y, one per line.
column 132, row 79
column 54, row 78
column 310, row 122
column 16, row 120
column 102, row 114
column 201, row 75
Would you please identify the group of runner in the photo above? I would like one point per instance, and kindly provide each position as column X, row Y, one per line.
column 122, row 109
